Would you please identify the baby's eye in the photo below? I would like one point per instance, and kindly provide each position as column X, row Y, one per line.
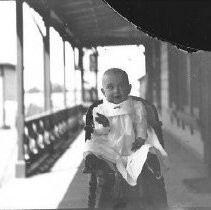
column 110, row 87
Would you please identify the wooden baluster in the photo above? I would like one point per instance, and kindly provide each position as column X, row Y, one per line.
column 39, row 138
column 56, row 132
column 48, row 134
column 64, row 124
column 33, row 145
column 68, row 123
column 51, row 130
column 45, row 133
column 52, row 137
column 60, row 130
column 65, row 127
column 26, row 145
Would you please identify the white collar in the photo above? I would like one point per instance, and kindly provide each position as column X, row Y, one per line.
column 111, row 109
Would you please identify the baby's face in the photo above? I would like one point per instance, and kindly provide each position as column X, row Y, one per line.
column 115, row 87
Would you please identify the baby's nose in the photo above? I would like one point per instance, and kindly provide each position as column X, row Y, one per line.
column 116, row 90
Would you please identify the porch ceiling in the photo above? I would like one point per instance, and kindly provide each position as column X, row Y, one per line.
column 88, row 22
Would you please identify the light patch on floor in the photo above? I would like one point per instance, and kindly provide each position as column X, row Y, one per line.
column 44, row 191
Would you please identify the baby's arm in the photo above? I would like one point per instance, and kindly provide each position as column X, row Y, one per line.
column 140, row 125
column 101, row 123
column 102, row 119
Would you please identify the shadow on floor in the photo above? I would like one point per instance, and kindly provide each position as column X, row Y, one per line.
column 76, row 196
column 199, row 185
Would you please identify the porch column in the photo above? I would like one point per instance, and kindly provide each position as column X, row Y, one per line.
column 82, row 73
column 20, row 164
column 2, row 95
column 96, row 70
column 190, row 105
column 93, row 59
column 64, row 87
column 47, row 80
column 157, row 74
column 149, row 66
column 152, row 56
column 75, row 69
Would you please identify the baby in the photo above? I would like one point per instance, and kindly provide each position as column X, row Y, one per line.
column 121, row 134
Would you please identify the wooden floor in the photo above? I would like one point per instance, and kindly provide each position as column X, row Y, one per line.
column 66, row 187
column 186, row 185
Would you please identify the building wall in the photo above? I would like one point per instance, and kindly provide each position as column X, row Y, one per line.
column 205, row 104
column 178, row 113
column 8, row 92
column 10, row 85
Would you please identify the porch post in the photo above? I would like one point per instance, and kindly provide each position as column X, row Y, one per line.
column 82, row 72
column 190, row 106
column 64, row 62
column 148, row 63
column 2, row 87
column 20, row 164
column 75, row 67
column 96, row 70
column 47, row 80
column 157, row 74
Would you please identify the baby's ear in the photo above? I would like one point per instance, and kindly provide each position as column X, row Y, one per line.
column 130, row 86
column 102, row 90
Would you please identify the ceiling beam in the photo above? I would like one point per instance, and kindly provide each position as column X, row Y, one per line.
column 109, row 41
column 74, row 3
column 82, row 10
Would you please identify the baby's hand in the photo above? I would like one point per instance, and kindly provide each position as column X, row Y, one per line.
column 102, row 119
column 137, row 144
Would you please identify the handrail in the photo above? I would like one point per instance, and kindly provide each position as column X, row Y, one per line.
column 43, row 114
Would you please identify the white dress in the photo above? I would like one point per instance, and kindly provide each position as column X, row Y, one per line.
column 127, row 122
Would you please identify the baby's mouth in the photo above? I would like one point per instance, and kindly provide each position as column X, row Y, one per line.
column 117, row 98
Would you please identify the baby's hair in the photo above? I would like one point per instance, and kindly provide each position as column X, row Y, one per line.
column 117, row 71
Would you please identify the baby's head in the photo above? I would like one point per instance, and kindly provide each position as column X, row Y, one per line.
column 116, row 87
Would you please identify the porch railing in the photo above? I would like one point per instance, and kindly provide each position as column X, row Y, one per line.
column 49, row 134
